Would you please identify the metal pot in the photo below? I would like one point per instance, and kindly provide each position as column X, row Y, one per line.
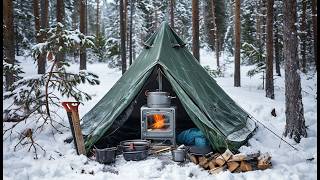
column 106, row 155
column 135, row 155
column 178, row 155
column 158, row 99
column 134, row 145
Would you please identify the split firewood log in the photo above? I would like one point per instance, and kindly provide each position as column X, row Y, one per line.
column 217, row 170
column 212, row 164
column 241, row 157
column 202, row 161
column 232, row 165
column 244, row 166
column 227, row 155
column 192, row 158
column 264, row 161
column 220, row 161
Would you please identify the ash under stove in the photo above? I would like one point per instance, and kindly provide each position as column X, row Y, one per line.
column 158, row 123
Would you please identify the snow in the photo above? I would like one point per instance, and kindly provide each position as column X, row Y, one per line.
column 61, row 162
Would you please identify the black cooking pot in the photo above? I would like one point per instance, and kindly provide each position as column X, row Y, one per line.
column 136, row 155
column 106, row 155
column 134, row 145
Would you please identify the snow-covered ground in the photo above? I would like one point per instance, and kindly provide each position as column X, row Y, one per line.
column 61, row 161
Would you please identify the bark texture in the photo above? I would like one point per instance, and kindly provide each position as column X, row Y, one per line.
column 295, row 122
column 8, row 39
column 131, row 31
column 36, row 14
column 97, row 20
column 314, row 27
column 303, row 36
column 237, row 44
column 83, row 24
column 277, row 49
column 269, row 46
column 172, row 14
column 122, row 38
column 195, row 29
column 215, row 31
column 44, row 21
column 60, row 18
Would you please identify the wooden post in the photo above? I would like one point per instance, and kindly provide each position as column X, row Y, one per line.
column 78, row 137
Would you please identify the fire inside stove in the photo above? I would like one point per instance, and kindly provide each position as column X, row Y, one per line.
column 157, row 122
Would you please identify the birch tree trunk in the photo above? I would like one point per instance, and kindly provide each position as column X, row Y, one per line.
column 295, row 122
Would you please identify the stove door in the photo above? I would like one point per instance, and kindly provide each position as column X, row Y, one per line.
column 158, row 123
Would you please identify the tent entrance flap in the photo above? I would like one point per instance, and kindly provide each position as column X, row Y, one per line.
column 129, row 126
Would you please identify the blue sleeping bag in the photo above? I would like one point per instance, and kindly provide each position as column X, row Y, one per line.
column 192, row 136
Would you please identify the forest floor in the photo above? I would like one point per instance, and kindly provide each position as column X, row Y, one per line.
column 61, row 161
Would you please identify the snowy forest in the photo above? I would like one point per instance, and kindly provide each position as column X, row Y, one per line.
column 252, row 57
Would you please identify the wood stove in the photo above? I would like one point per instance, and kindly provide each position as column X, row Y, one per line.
column 158, row 118
column 158, row 123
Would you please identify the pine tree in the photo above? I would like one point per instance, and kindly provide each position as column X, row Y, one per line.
column 314, row 28
column 195, row 29
column 8, row 38
column 123, row 38
column 83, row 24
column 295, row 122
column 237, row 44
column 269, row 46
column 303, row 36
column 172, row 3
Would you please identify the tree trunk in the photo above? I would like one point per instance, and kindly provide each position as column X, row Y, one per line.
column 277, row 48
column 215, row 31
column 269, row 46
column 314, row 27
column 237, row 44
column 97, row 22
column 60, row 19
column 44, row 4
column 83, row 24
column 195, row 29
column 122, row 38
column 8, row 38
column 36, row 14
column 131, row 30
column 303, row 36
column 75, row 15
column 295, row 122
column 172, row 14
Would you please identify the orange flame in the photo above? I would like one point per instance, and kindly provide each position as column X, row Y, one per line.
column 159, row 121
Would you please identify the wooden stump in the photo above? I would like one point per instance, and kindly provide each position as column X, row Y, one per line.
column 244, row 166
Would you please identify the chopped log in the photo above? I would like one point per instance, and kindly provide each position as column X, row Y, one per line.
column 237, row 157
column 244, row 166
column 232, row 165
column 264, row 161
column 202, row 161
column 220, row 161
column 212, row 164
column 217, row 170
column 242, row 157
column 227, row 155
column 192, row 158
column 206, row 165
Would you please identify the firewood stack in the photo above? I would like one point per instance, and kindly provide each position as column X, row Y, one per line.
column 217, row 163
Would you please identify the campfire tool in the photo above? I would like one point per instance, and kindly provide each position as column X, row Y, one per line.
column 73, row 114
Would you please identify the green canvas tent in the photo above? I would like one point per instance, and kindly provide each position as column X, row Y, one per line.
column 200, row 101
